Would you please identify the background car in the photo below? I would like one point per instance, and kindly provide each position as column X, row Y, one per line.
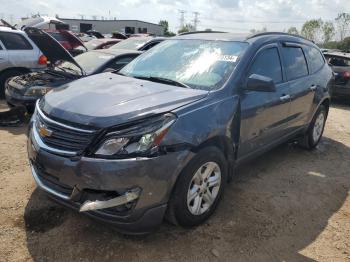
column 18, row 55
column 139, row 43
column 26, row 89
column 69, row 41
column 101, row 43
column 340, row 64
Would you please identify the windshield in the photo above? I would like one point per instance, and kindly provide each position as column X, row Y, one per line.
column 89, row 61
column 133, row 43
column 199, row 64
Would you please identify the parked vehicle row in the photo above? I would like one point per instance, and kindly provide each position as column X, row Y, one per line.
column 340, row 63
column 162, row 136
column 26, row 89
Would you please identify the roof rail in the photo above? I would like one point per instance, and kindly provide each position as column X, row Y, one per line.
column 201, row 32
column 277, row 33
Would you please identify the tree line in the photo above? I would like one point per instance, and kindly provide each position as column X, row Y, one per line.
column 327, row 34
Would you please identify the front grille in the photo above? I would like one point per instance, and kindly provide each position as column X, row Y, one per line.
column 62, row 137
column 52, row 182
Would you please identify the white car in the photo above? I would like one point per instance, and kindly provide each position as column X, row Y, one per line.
column 18, row 55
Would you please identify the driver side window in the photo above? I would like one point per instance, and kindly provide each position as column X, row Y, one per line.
column 267, row 63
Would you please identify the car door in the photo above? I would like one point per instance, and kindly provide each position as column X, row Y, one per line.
column 3, row 57
column 20, row 52
column 302, row 84
column 264, row 115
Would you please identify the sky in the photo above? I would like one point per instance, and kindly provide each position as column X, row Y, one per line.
column 237, row 16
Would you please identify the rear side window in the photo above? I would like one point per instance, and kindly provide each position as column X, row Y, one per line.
column 295, row 63
column 149, row 46
column 121, row 62
column 13, row 41
column 268, row 64
column 315, row 59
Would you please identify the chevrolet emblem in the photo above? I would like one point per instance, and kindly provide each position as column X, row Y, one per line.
column 44, row 132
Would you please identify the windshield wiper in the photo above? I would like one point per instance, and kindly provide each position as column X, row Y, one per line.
column 163, row 80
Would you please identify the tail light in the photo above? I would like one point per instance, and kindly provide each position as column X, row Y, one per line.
column 346, row 74
column 42, row 60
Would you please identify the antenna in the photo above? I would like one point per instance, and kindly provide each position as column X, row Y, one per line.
column 195, row 20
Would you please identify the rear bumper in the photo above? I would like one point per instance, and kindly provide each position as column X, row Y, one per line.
column 341, row 90
column 73, row 181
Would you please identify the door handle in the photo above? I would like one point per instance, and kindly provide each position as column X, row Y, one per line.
column 313, row 87
column 285, row 98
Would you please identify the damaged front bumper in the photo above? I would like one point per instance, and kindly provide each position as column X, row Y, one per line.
column 131, row 194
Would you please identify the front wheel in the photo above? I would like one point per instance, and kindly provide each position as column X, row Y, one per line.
column 315, row 131
column 198, row 189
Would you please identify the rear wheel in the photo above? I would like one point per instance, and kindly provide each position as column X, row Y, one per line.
column 198, row 189
column 6, row 76
column 315, row 131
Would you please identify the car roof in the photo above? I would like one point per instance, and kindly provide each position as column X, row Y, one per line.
column 117, row 52
column 243, row 37
column 213, row 36
column 8, row 29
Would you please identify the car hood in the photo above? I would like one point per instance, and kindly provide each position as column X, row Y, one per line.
column 108, row 99
column 50, row 47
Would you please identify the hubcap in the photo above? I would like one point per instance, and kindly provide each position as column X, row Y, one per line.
column 204, row 188
column 318, row 127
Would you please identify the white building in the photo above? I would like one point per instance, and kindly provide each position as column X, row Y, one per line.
column 109, row 26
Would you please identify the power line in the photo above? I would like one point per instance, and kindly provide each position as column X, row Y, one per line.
column 182, row 18
column 195, row 20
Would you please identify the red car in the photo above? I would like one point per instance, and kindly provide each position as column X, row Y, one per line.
column 68, row 40
column 101, row 43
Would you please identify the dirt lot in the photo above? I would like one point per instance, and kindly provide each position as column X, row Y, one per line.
column 288, row 205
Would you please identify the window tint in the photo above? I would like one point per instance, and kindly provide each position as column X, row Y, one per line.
column 14, row 41
column 315, row 59
column 294, row 62
column 268, row 64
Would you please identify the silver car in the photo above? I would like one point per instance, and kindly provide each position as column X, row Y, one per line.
column 18, row 55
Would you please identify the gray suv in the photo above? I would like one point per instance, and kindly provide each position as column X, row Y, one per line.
column 163, row 136
column 18, row 55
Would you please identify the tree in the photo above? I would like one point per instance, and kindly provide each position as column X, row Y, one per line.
column 165, row 25
column 343, row 24
column 186, row 28
column 293, row 30
column 257, row 31
column 311, row 29
column 328, row 31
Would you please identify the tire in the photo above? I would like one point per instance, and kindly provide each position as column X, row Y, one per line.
column 6, row 76
column 315, row 131
column 181, row 211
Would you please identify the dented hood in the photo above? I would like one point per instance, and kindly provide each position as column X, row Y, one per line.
column 50, row 47
column 109, row 99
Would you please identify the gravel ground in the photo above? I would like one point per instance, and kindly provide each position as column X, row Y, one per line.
column 287, row 205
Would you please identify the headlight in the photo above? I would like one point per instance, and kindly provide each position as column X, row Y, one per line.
column 37, row 91
column 136, row 139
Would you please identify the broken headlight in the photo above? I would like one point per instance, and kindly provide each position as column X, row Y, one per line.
column 37, row 91
column 137, row 139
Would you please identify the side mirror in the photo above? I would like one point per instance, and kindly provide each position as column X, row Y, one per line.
column 260, row 83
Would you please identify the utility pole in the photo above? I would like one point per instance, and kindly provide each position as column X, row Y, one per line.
column 82, row 16
column 182, row 18
column 195, row 20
